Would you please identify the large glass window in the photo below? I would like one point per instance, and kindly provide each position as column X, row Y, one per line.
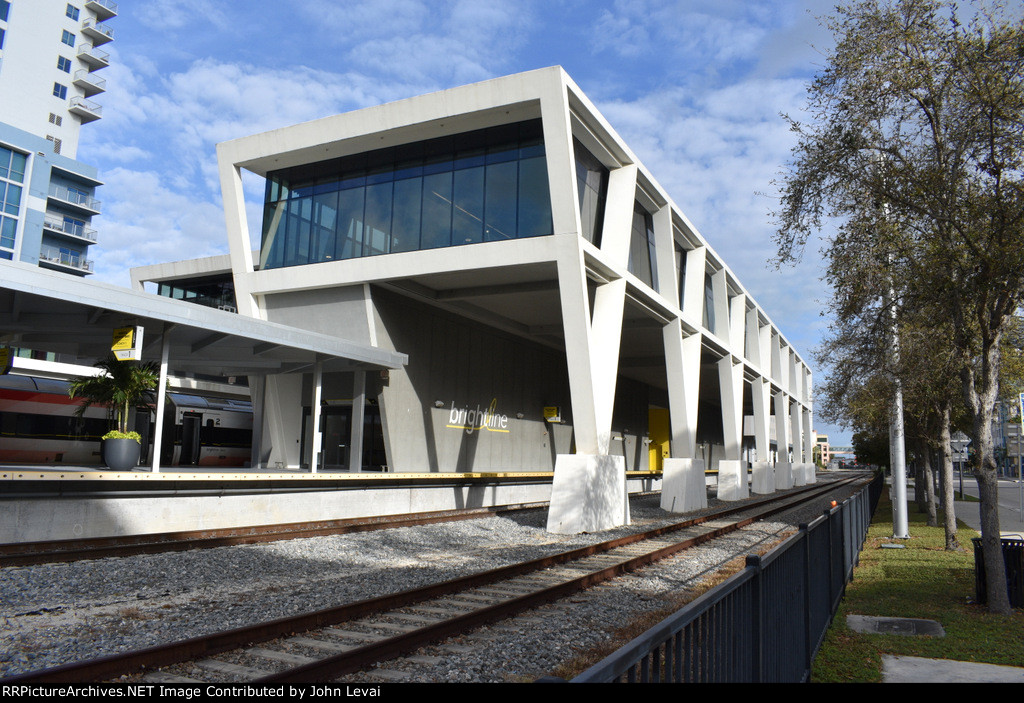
column 641, row 247
column 5, row 6
column 12, row 174
column 680, row 254
column 487, row 185
column 592, row 188
column 67, row 37
column 71, row 12
column 709, row 302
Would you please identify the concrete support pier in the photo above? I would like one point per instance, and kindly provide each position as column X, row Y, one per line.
column 783, row 475
column 762, row 478
column 732, row 480
column 682, row 486
column 588, row 494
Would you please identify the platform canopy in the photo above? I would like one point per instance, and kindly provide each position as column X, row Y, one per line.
column 50, row 311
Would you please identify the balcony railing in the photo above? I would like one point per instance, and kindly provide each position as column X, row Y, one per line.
column 104, row 9
column 72, row 229
column 89, row 82
column 89, row 112
column 95, row 58
column 99, row 33
column 52, row 255
column 72, row 197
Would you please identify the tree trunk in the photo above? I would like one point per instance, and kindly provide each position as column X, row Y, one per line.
column 928, row 479
column 949, row 510
column 981, row 401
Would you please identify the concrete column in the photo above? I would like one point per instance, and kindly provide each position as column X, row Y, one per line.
column 560, row 158
column 752, row 345
column 682, row 367
column 799, row 474
column 730, row 380
column 257, row 393
column 283, row 403
column 314, row 415
column 161, row 398
column 239, row 247
column 720, row 291
column 783, row 468
column 763, row 479
column 664, row 249
column 738, row 324
column 693, row 295
column 355, row 453
column 808, row 445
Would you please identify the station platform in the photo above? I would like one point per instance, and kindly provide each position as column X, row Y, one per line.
column 49, row 503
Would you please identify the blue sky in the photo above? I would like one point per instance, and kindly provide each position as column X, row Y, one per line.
column 695, row 87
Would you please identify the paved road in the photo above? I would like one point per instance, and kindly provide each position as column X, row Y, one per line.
column 1009, row 505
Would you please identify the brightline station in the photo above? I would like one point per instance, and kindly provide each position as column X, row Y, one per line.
column 558, row 310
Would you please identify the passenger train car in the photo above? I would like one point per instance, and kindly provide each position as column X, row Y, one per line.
column 38, row 425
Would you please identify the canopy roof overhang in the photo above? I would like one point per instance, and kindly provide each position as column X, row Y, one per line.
column 50, row 311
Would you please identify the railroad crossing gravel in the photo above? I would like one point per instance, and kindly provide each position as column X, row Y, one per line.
column 60, row 613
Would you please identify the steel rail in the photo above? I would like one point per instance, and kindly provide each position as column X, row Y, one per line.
column 114, row 666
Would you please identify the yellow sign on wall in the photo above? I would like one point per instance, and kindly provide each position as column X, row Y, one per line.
column 552, row 413
column 127, row 343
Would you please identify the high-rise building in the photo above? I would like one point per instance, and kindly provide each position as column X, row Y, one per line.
column 50, row 52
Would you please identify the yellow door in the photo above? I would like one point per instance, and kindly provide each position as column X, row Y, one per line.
column 660, row 432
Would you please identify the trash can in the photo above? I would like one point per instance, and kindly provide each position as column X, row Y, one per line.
column 1013, row 558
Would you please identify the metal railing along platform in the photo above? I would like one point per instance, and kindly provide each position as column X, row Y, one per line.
column 765, row 623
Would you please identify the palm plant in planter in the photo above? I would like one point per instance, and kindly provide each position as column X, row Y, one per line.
column 122, row 386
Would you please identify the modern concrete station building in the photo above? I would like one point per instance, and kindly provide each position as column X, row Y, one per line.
column 552, row 299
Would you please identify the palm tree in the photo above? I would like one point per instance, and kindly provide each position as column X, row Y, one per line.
column 122, row 386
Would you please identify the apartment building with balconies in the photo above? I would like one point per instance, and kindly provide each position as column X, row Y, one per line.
column 49, row 58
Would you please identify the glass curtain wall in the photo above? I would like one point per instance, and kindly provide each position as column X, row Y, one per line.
column 641, row 247
column 12, row 176
column 481, row 186
column 592, row 188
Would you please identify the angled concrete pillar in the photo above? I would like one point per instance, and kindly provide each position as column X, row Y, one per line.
column 730, row 381
column 783, row 469
column 682, row 368
column 591, row 349
column 720, row 293
column 738, row 324
column 763, row 478
column 752, row 345
column 693, row 293
column 682, row 485
column 732, row 480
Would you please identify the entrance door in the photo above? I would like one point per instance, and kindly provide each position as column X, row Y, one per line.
column 660, row 432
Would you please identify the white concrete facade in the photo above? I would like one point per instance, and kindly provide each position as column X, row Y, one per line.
column 685, row 326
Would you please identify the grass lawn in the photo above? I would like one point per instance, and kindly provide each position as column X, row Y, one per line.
column 920, row 581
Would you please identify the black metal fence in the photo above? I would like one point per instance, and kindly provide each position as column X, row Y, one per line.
column 764, row 624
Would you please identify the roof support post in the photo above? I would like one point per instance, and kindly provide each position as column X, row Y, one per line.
column 314, row 408
column 161, row 396
column 355, row 456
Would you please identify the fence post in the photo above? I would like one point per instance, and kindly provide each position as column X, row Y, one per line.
column 805, row 535
column 756, row 619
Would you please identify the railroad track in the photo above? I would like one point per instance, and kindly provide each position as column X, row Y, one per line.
column 59, row 551
column 324, row 645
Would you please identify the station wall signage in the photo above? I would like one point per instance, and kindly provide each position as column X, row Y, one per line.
column 127, row 343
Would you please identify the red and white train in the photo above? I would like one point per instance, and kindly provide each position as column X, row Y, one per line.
column 38, row 425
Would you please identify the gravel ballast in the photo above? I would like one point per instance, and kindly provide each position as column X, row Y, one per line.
column 61, row 613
